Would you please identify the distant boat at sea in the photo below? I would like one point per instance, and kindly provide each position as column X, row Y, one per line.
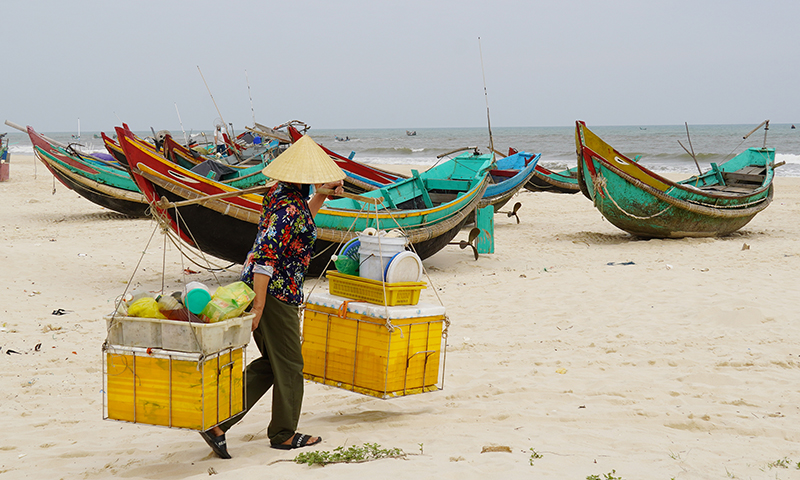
column 411, row 133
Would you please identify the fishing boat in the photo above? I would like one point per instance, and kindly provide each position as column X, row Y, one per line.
column 546, row 180
column 97, row 180
column 113, row 148
column 715, row 203
column 430, row 207
column 508, row 177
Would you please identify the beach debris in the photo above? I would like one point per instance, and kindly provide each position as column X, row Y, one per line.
column 189, row 271
column 34, row 293
column 703, row 269
column 496, row 448
column 9, row 352
column 745, row 247
column 561, row 371
column 50, row 328
column 60, row 311
column 37, row 347
column 82, row 255
column 457, row 459
column 211, row 471
column 668, row 266
column 620, row 263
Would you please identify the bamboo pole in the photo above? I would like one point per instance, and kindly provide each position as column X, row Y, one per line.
column 230, row 134
column 690, row 146
column 25, row 130
column 486, row 95
column 163, row 203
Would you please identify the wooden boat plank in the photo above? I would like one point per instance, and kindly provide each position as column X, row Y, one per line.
column 735, row 177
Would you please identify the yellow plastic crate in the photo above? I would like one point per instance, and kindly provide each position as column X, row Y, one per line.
column 173, row 389
column 360, row 353
column 372, row 291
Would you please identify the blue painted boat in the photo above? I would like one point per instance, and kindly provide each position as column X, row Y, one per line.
column 511, row 174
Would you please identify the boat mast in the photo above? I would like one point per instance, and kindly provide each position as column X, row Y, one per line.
column 690, row 146
column 185, row 138
column 225, row 125
column 764, row 124
column 251, row 97
column 486, row 95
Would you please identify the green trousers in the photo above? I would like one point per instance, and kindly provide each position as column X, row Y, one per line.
column 280, row 366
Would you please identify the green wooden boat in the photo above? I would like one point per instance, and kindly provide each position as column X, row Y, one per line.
column 717, row 202
column 430, row 207
column 546, row 180
column 98, row 180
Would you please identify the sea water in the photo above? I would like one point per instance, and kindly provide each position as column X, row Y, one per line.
column 657, row 144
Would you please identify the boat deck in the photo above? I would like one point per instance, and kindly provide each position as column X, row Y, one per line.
column 744, row 180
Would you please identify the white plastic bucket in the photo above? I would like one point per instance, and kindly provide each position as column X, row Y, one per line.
column 375, row 253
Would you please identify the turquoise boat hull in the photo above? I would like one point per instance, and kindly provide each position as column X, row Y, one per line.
column 101, row 182
column 642, row 203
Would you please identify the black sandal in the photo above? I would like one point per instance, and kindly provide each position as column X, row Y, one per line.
column 217, row 444
column 298, row 441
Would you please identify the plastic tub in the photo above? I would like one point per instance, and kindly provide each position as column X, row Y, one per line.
column 179, row 336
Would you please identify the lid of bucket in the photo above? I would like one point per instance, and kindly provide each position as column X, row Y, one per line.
column 405, row 266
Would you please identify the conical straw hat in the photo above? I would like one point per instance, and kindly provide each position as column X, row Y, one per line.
column 304, row 162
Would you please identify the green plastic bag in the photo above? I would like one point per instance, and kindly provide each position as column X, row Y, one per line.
column 228, row 301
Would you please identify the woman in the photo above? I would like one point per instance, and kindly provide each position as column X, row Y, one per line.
column 275, row 269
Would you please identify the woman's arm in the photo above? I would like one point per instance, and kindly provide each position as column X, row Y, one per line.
column 318, row 199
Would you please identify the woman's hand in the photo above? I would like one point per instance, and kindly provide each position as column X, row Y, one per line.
column 260, row 284
column 337, row 187
column 257, row 318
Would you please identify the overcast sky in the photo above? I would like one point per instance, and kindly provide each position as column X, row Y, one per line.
column 397, row 64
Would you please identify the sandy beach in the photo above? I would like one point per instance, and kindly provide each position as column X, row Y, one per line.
column 602, row 353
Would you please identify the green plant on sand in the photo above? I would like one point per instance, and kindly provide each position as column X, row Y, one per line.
column 606, row 476
column 534, row 456
column 352, row 454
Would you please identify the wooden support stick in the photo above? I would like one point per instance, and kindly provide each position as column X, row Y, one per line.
column 360, row 198
column 163, row 203
column 25, row 130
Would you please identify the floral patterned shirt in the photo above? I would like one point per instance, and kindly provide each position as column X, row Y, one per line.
column 284, row 243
